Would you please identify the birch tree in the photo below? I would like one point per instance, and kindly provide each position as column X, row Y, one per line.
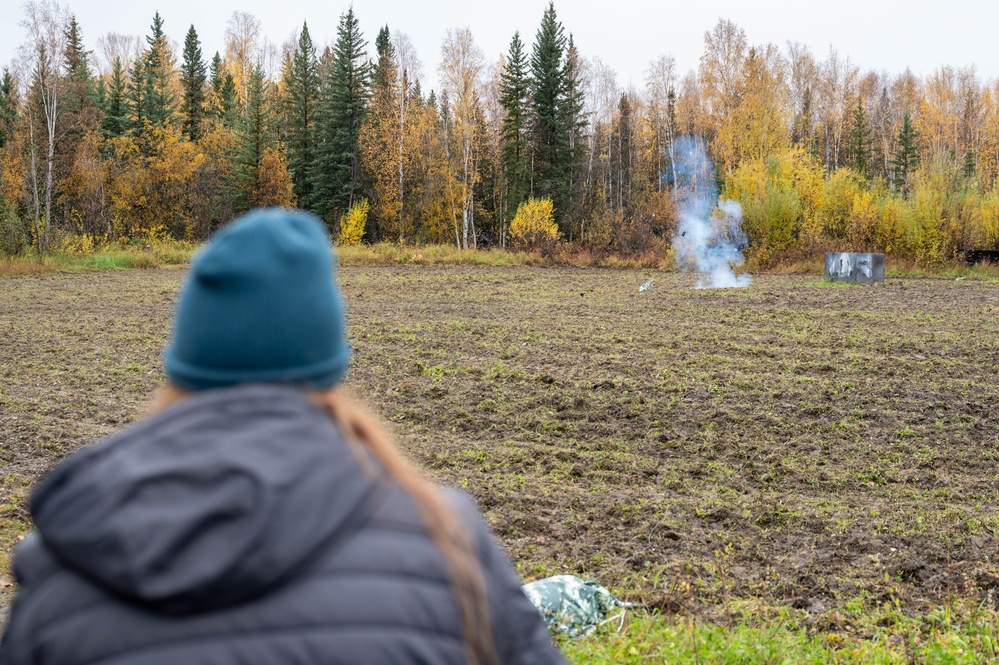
column 242, row 49
column 45, row 24
column 660, row 86
column 461, row 73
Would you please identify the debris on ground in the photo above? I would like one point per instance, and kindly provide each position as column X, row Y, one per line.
column 574, row 606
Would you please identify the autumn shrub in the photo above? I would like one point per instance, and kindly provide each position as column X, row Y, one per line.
column 835, row 206
column 273, row 183
column 352, row 224
column 925, row 224
column 76, row 244
column 987, row 230
column 13, row 234
column 644, row 227
column 534, row 227
column 889, row 234
column 780, row 196
column 172, row 252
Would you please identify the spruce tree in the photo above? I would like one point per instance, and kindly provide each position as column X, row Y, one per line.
column 383, row 42
column 906, row 157
column 514, row 91
column 76, row 60
column 193, row 75
column 302, row 85
column 970, row 164
column 78, row 104
column 859, row 143
column 343, row 98
column 159, row 99
column 254, row 134
column 556, row 116
column 135, row 99
column 547, row 92
column 381, row 143
column 226, row 105
column 78, row 112
column 572, row 121
column 8, row 107
column 10, row 239
column 115, row 104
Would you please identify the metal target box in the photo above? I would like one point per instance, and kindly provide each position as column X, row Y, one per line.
column 855, row 267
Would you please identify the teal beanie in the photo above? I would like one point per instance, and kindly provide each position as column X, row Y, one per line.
column 261, row 306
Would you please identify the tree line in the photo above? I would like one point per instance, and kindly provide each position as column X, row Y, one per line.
column 138, row 140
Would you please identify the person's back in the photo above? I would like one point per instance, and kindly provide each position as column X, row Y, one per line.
column 260, row 522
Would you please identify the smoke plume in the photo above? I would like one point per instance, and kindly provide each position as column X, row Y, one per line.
column 710, row 239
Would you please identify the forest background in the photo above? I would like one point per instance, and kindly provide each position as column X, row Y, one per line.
column 137, row 140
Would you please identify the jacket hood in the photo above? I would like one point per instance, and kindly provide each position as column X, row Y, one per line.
column 216, row 500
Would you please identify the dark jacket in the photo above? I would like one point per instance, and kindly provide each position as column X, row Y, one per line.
column 237, row 527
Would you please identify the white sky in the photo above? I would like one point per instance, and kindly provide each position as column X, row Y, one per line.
column 625, row 34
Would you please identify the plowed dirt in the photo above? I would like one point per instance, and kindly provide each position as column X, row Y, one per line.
column 794, row 442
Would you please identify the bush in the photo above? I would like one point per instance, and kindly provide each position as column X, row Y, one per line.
column 534, row 227
column 13, row 234
column 352, row 224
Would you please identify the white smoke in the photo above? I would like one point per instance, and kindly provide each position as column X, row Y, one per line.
column 709, row 239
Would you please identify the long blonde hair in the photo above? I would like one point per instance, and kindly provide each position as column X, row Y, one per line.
column 364, row 432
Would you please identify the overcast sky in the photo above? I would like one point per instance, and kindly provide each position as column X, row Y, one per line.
column 625, row 34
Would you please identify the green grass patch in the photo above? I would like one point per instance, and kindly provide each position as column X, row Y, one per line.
column 961, row 633
column 115, row 256
column 75, row 255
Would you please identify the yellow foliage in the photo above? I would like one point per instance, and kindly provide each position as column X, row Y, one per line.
column 151, row 191
column 836, row 204
column 781, row 197
column 274, row 185
column 352, row 224
column 77, row 245
column 988, row 228
column 534, row 226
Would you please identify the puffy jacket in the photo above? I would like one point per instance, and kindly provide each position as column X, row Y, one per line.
column 237, row 527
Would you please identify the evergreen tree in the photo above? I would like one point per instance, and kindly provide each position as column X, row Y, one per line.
column 135, row 99
column 547, row 92
column 572, row 121
column 302, row 85
column 859, row 144
column 383, row 44
column 254, row 134
column 514, row 91
column 80, row 112
column 906, row 157
column 76, row 58
column 10, row 239
column 621, row 154
column 225, row 103
column 8, row 107
column 970, row 164
column 158, row 98
column 193, row 75
column 556, row 115
column 115, row 104
column 343, row 99
column 381, row 143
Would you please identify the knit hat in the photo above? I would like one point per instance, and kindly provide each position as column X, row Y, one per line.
column 261, row 306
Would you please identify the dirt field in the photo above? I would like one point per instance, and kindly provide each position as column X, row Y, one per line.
column 792, row 442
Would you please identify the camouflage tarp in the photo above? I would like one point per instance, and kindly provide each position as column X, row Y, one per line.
column 571, row 605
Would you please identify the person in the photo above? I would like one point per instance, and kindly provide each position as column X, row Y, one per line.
column 260, row 515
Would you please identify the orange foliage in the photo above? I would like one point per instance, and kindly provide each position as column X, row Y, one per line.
column 274, row 186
